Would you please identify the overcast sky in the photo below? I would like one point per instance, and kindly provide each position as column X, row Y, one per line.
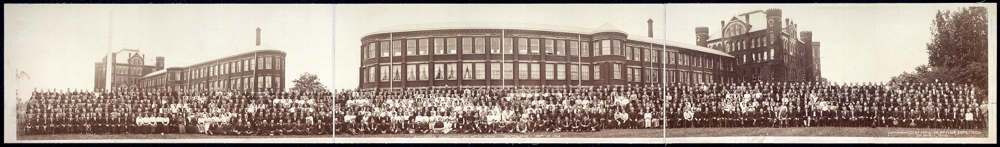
column 57, row 45
column 859, row 42
column 354, row 21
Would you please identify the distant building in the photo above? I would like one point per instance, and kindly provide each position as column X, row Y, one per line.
column 765, row 47
column 128, row 67
column 510, row 54
column 756, row 46
column 261, row 69
column 817, row 72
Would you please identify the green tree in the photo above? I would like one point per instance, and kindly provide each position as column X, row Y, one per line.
column 926, row 74
column 958, row 50
column 308, row 83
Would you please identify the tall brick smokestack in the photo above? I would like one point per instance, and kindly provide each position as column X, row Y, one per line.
column 650, row 22
column 258, row 36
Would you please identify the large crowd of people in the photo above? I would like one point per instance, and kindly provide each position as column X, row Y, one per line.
column 560, row 109
column 918, row 105
column 497, row 110
column 505, row 109
column 217, row 112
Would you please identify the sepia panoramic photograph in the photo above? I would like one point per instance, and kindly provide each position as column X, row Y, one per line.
column 881, row 72
column 135, row 73
column 743, row 73
column 507, row 73
column 496, row 73
column 500, row 73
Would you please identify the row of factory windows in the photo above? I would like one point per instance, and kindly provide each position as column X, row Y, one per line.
column 525, row 71
column 524, row 46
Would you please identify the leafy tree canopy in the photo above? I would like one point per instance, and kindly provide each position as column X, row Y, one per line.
column 308, row 83
column 958, row 50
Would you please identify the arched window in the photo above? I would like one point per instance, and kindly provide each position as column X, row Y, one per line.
column 734, row 30
column 135, row 61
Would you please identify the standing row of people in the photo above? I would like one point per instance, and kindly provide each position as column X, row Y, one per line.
column 498, row 110
column 783, row 104
column 505, row 109
column 177, row 112
column 922, row 105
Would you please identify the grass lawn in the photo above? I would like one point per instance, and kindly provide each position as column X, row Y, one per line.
column 152, row 136
column 827, row 132
column 713, row 132
column 613, row 133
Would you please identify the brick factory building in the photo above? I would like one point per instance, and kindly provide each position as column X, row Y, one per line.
column 766, row 48
column 261, row 69
column 511, row 54
column 127, row 68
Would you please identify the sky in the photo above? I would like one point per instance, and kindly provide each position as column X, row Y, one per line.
column 859, row 42
column 354, row 21
column 57, row 45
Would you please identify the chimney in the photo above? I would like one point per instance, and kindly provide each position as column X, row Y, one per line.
column 650, row 22
column 746, row 18
column 258, row 36
column 159, row 63
column 722, row 24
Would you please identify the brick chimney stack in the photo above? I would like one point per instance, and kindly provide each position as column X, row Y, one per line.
column 258, row 36
column 650, row 22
